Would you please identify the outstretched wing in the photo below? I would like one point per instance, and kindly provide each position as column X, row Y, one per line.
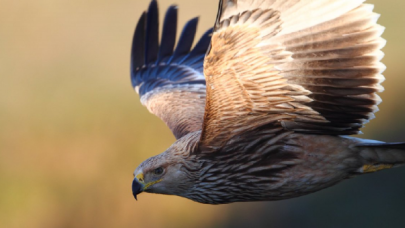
column 170, row 81
column 310, row 66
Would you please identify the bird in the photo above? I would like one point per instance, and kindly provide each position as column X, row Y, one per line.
column 264, row 105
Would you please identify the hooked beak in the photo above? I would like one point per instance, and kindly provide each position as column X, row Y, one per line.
column 136, row 187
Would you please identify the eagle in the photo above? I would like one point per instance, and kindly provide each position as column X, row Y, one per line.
column 263, row 104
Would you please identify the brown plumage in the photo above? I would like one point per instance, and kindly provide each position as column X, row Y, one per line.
column 285, row 82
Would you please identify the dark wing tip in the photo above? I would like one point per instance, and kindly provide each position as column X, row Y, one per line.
column 147, row 72
column 152, row 33
column 203, row 43
column 169, row 33
column 186, row 38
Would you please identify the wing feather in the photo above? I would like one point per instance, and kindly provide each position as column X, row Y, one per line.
column 186, row 38
column 310, row 66
column 170, row 80
column 152, row 33
column 169, row 34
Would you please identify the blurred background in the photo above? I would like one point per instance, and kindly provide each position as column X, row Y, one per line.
column 72, row 130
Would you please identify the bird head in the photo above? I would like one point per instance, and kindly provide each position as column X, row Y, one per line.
column 167, row 173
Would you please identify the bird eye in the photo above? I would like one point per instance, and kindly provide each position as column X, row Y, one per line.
column 158, row 171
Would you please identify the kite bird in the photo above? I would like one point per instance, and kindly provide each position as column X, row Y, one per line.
column 263, row 104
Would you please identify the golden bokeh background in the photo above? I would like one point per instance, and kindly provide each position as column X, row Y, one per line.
column 72, row 130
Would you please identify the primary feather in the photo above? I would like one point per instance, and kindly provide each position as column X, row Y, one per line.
column 170, row 80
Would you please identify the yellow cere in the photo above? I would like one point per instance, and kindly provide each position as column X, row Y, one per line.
column 375, row 168
column 140, row 177
column 147, row 185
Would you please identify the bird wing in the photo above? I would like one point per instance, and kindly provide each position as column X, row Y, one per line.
column 170, row 81
column 310, row 66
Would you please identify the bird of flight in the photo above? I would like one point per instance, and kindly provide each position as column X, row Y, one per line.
column 263, row 104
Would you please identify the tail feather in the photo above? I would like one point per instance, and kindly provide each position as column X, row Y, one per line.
column 394, row 145
column 379, row 155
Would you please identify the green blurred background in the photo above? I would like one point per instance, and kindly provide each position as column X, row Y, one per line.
column 72, row 129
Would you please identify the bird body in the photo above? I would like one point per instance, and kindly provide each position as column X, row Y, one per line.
column 264, row 170
column 261, row 109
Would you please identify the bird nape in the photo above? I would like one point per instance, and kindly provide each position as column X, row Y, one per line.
column 263, row 104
